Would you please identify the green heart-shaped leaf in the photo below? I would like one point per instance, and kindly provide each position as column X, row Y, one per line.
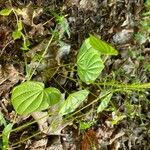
column 89, row 65
column 53, row 95
column 31, row 96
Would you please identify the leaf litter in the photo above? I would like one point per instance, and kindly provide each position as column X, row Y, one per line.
column 116, row 22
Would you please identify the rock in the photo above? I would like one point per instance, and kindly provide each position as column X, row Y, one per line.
column 122, row 37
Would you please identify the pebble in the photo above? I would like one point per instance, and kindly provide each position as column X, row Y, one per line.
column 122, row 37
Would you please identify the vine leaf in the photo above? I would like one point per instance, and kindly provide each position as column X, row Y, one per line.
column 16, row 35
column 102, row 46
column 89, row 65
column 104, row 103
column 53, row 95
column 73, row 101
column 5, row 12
column 84, row 47
column 31, row 96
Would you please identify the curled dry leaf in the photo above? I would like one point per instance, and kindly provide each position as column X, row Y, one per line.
column 90, row 141
column 41, row 118
column 29, row 13
column 51, row 125
column 9, row 76
column 39, row 144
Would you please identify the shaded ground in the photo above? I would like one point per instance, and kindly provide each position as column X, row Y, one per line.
column 115, row 22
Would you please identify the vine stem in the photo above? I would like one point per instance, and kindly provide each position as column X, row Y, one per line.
column 44, row 53
column 135, row 86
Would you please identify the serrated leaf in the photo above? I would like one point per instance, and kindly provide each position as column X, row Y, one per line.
column 104, row 103
column 89, row 65
column 73, row 101
column 5, row 12
column 102, row 46
column 16, row 35
column 31, row 96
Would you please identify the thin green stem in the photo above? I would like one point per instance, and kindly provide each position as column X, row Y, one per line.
column 44, row 53
column 126, row 86
column 37, row 133
column 28, row 124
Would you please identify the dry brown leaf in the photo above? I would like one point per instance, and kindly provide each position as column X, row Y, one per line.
column 9, row 76
column 89, row 141
column 29, row 13
column 39, row 144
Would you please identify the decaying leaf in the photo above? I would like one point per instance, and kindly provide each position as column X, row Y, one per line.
column 39, row 144
column 29, row 13
column 9, row 76
column 51, row 124
column 41, row 118
column 49, row 65
column 90, row 141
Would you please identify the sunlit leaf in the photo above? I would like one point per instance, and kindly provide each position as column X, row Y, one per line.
column 104, row 103
column 102, row 46
column 53, row 95
column 19, row 25
column 89, row 65
column 73, row 101
column 5, row 12
column 16, row 35
column 31, row 96
column 84, row 47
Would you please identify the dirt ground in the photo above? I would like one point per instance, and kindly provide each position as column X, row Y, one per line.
column 114, row 21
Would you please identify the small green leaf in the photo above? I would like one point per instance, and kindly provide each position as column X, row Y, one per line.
column 73, row 101
column 117, row 119
column 5, row 12
column 104, row 103
column 25, row 45
column 16, row 35
column 5, row 136
column 63, row 25
column 31, row 96
column 19, row 25
column 89, row 65
column 85, row 125
column 53, row 95
column 84, row 47
column 102, row 46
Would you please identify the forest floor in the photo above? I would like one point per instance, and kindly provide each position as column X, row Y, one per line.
column 120, row 23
